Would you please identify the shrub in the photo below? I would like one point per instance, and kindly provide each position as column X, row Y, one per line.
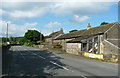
column 57, row 46
column 25, row 44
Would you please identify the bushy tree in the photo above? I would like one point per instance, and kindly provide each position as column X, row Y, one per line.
column 73, row 31
column 3, row 40
column 21, row 40
column 33, row 36
column 103, row 23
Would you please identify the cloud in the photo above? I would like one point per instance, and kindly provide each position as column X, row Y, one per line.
column 16, row 30
column 79, row 8
column 37, row 9
column 19, row 30
column 78, row 19
column 46, row 31
column 24, row 9
column 53, row 24
column 60, row 0
column 35, row 12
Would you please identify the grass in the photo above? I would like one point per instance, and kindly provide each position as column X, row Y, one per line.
column 2, row 44
column 108, row 61
column 60, row 50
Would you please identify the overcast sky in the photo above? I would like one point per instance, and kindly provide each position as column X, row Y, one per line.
column 51, row 16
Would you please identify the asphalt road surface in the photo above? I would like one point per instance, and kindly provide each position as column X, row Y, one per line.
column 29, row 61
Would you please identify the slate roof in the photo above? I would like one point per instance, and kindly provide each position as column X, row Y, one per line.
column 78, row 40
column 71, row 35
column 86, row 32
column 92, row 32
column 98, row 30
column 54, row 34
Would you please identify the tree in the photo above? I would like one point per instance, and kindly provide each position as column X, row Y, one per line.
column 33, row 35
column 73, row 31
column 3, row 40
column 103, row 23
column 21, row 40
column 11, row 39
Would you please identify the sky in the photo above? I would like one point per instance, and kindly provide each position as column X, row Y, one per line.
column 47, row 17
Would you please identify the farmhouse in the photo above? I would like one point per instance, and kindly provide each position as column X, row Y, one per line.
column 98, row 40
column 50, row 39
column 69, row 36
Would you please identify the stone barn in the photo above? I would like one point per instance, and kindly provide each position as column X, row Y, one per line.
column 98, row 40
column 69, row 36
column 50, row 39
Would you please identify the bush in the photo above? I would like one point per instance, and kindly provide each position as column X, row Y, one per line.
column 25, row 44
column 39, row 42
column 30, row 44
column 3, row 44
column 57, row 46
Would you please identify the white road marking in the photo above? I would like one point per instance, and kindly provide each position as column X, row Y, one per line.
column 51, row 61
column 83, row 76
column 38, row 55
column 56, row 64
column 59, row 65
column 21, row 54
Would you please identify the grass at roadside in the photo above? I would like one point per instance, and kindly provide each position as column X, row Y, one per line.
column 2, row 44
column 60, row 50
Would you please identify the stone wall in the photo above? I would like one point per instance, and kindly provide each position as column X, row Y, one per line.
column 110, row 49
column 73, row 48
column 64, row 43
column 57, row 42
column 5, row 59
column 113, row 32
column 101, row 44
column 48, row 40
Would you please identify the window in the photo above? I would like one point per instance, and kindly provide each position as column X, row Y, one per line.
column 96, row 39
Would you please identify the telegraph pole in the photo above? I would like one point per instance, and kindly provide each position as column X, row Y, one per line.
column 40, row 36
column 7, row 34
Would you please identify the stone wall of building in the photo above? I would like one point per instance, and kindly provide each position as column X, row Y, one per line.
column 101, row 44
column 107, row 47
column 110, row 49
column 112, row 33
column 64, row 43
column 73, row 48
column 48, row 41
column 57, row 42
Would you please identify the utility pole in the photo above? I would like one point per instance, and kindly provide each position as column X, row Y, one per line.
column 40, row 36
column 7, row 34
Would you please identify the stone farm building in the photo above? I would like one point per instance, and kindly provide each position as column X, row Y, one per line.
column 50, row 39
column 102, row 39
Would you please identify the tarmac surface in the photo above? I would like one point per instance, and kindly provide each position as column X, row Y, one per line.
column 29, row 61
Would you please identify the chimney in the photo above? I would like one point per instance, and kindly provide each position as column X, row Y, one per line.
column 89, row 26
column 61, row 29
column 52, row 31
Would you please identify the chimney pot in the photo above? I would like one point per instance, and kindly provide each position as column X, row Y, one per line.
column 89, row 26
column 52, row 31
column 61, row 29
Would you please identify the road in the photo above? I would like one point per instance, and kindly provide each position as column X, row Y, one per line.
column 0, row 60
column 29, row 61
